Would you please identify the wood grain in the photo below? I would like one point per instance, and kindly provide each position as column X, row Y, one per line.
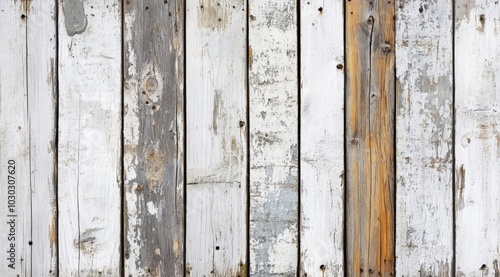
column 154, row 138
column 424, row 138
column 273, row 138
column 216, row 239
column 322, row 138
column 42, row 103
column 14, row 143
column 89, row 168
column 370, row 138
column 477, row 138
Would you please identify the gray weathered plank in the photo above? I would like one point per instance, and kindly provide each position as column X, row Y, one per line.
column 216, row 238
column 424, row 138
column 15, row 172
column 273, row 132
column 322, row 138
column 477, row 137
column 42, row 102
column 89, row 145
column 153, row 138
column 369, row 137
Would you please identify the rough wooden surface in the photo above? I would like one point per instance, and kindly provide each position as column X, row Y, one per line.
column 369, row 138
column 42, row 102
column 477, row 138
column 273, row 131
column 89, row 153
column 322, row 138
column 216, row 239
column 424, row 138
column 15, row 195
column 153, row 138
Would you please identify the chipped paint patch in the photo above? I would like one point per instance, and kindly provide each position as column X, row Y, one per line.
column 75, row 19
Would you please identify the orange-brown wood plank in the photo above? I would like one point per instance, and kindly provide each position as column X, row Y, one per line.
column 370, row 102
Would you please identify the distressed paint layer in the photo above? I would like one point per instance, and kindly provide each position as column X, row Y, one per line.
column 153, row 138
column 477, row 132
column 322, row 138
column 370, row 135
column 75, row 19
column 216, row 136
column 424, row 124
column 273, row 138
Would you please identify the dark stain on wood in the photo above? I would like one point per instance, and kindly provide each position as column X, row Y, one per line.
column 461, row 186
column 370, row 180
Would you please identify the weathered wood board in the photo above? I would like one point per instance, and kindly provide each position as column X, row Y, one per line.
column 15, row 171
column 477, row 138
column 154, row 138
column 274, row 190
column 322, row 138
column 89, row 145
column 424, row 138
column 216, row 119
column 370, row 138
column 42, row 104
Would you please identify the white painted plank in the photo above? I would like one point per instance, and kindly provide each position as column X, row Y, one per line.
column 153, row 138
column 89, row 166
column 477, row 138
column 42, row 101
column 322, row 138
column 273, row 138
column 424, row 138
column 216, row 136
column 14, row 143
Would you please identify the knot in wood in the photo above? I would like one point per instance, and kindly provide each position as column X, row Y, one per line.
column 151, row 84
column 386, row 47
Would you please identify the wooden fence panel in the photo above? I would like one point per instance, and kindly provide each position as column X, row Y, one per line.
column 424, row 138
column 273, row 72
column 154, row 138
column 322, row 138
column 89, row 179
column 15, row 195
column 477, row 133
column 216, row 138
column 42, row 104
column 370, row 137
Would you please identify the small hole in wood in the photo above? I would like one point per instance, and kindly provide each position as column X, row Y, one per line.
column 147, row 8
column 23, row 16
column 30, row 243
column 322, row 267
column 153, row 107
column 339, row 66
column 320, row 9
column 147, row 102
column 217, row 248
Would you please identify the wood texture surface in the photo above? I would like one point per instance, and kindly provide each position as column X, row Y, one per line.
column 424, row 138
column 477, row 138
column 370, row 138
column 15, row 195
column 216, row 239
column 154, row 138
column 273, row 61
column 322, row 138
column 42, row 104
column 89, row 153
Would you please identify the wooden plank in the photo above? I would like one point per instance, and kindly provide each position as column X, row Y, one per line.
column 273, row 62
column 89, row 159
column 322, row 138
column 370, row 136
column 15, row 194
column 153, row 138
column 216, row 112
column 42, row 102
column 477, row 133
column 424, row 138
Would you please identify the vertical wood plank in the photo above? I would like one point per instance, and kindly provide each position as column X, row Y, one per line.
column 15, row 194
column 273, row 138
column 370, row 136
column 322, row 138
column 89, row 169
column 42, row 101
column 477, row 133
column 216, row 138
column 153, row 138
column 424, row 138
